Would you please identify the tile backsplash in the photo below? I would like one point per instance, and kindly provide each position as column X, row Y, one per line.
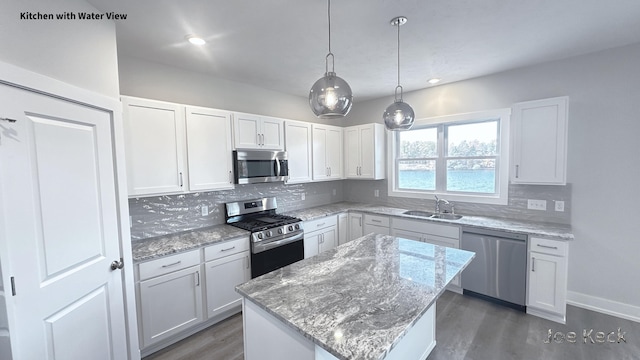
column 363, row 191
column 161, row 215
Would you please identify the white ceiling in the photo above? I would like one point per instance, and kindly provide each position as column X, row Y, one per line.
column 281, row 44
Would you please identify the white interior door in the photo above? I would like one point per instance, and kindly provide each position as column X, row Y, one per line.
column 59, row 222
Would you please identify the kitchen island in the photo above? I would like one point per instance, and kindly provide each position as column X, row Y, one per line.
column 371, row 298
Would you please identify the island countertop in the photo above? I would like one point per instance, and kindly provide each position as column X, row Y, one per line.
column 358, row 300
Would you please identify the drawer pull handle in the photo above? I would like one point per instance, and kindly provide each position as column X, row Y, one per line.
column 197, row 278
column 322, row 224
column 376, row 221
column 227, row 249
column 547, row 246
column 172, row 264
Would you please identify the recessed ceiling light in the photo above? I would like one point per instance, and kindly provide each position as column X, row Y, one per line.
column 196, row 40
column 434, row 81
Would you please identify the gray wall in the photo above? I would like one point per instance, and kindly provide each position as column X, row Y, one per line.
column 603, row 158
column 81, row 53
column 151, row 80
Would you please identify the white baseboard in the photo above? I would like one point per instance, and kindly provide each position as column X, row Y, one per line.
column 604, row 306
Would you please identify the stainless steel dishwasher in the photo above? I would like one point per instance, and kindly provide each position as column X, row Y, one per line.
column 498, row 272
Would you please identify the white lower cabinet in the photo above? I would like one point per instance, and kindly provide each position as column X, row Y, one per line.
column 429, row 232
column 172, row 297
column 355, row 226
column 547, row 279
column 178, row 288
column 223, row 275
column 320, row 235
column 376, row 224
column 343, row 228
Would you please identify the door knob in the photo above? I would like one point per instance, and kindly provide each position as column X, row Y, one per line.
column 117, row 264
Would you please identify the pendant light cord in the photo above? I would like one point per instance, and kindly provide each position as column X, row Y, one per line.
column 326, row 59
column 398, row 24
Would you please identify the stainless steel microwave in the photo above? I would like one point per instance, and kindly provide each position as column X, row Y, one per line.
column 260, row 166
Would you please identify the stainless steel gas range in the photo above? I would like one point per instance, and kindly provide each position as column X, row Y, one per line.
column 276, row 240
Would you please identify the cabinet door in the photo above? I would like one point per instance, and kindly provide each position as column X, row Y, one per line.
column 334, row 152
column 367, row 151
column 222, row 277
column 154, row 146
column 169, row 304
column 272, row 133
column 319, row 142
column 311, row 244
column 328, row 239
column 246, row 130
column 298, row 146
column 404, row 234
column 352, row 151
column 343, row 228
column 540, row 141
column 376, row 229
column 209, row 149
column 444, row 241
column 355, row 226
column 547, row 282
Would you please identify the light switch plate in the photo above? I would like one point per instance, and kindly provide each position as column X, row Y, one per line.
column 559, row 205
column 537, row 204
column 376, row 193
column 204, row 210
column 304, row 196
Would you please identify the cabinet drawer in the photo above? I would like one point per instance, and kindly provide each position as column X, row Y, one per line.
column 548, row 246
column 321, row 223
column 168, row 264
column 427, row 227
column 226, row 248
column 376, row 220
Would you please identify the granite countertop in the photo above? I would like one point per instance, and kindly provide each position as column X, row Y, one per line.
column 358, row 300
column 555, row 231
column 152, row 248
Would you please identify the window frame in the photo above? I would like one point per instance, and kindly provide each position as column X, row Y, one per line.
column 501, row 197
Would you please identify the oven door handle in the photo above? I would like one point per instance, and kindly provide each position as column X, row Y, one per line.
column 260, row 247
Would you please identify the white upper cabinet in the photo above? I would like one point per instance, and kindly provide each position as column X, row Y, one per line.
column 154, row 146
column 298, row 146
column 327, row 152
column 364, row 152
column 258, row 132
column 540, row 142
column 171, row 148
column 209, row 149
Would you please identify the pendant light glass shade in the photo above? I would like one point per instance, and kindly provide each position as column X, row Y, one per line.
column 399, row 115
column 330, row 96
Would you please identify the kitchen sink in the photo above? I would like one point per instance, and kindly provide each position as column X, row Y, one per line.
column 428, row 214
column 418, row 213
column 446, row 216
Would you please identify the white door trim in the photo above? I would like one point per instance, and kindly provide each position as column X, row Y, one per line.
column 22, row 78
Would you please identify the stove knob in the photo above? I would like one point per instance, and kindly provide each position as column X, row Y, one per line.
column 269, row 233
column 297, row 226
column 280, row 231
column 290, row 227
column 259, row 235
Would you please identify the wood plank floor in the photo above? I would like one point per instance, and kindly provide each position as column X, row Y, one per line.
column 466, row 329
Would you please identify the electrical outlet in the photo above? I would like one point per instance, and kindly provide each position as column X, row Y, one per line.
column 376, row 193
column 130, row 221
column 204, row 210
column 304, row 196
column 335, row 192
column 537, row 204
column 559, row 205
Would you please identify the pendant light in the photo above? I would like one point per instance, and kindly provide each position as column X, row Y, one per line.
column 399, row 115
column 330, row 96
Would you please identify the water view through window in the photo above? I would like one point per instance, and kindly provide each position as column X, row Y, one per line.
column 468, row 157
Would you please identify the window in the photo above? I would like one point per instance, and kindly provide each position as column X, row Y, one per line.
column 456, row 156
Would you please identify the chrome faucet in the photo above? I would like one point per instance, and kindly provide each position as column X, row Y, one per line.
column 438, row 201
